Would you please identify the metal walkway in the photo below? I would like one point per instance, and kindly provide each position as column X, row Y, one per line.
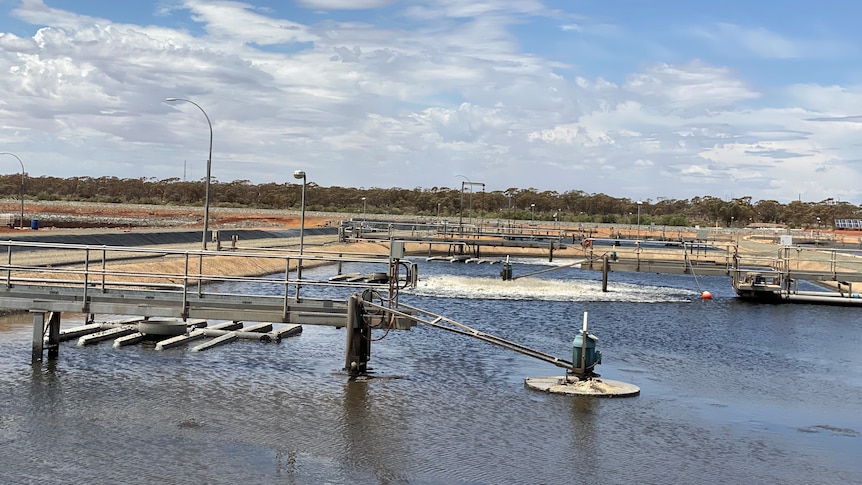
column 100, row 279
column 48, row 279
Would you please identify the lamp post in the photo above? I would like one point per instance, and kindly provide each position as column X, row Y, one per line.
column 532, row 214
column 364, row 207
column 22, row 185
column 481, row 208
column 639, row 220
column 300, row 174
column 511, row 214
column 209, row 167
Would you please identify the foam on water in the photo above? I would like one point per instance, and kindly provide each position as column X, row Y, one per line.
column 469, row 287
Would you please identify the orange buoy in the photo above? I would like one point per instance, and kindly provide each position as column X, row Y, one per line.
column 706, row 295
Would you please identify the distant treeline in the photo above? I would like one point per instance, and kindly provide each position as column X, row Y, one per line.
column 512, row 203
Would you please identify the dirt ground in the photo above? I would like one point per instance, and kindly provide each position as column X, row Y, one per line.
column 111, row 217
column 60, row 214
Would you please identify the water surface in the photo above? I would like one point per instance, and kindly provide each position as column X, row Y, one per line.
column 731, row 392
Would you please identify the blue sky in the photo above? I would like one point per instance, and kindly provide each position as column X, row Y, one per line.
column 674, row 99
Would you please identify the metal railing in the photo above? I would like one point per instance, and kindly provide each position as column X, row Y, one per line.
column 173, row 282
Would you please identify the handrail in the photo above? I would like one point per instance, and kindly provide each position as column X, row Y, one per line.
column 88, row 267
column 816, row 264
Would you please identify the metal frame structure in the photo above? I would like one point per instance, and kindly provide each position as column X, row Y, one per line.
column 91, row 280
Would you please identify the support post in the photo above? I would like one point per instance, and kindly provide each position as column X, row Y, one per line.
column 43, row 326
column 38, row 336
column 605, row 268
column 53, row 335
column 358, row 348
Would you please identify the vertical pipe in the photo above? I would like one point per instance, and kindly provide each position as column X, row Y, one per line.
column 583, row 363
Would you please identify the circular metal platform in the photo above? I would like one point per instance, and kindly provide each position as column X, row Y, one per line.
column 591, row 387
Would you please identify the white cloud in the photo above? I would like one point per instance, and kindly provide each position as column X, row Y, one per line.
column 693, row 85
column 765, row 43
column 235, row 21
column 447, row 90
column 826, row 99
column 758, row 40
column 345, row 4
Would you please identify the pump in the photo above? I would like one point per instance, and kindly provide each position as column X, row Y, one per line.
column 585, row 356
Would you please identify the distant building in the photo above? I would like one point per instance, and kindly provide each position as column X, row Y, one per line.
column 848, row 224
column 766, row 225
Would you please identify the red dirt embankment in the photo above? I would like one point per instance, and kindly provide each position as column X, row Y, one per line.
column 58, row 214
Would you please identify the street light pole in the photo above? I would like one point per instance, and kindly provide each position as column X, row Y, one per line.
column 22, row 185
column 364, row 207
column 511, row 214
column 639, row 220
column 532, row 214
column 300, row 174
column 481, row 208
column 209, row 168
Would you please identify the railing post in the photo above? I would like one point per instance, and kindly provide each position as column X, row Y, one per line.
column 186, row 284
column 200, row 274
column 286, row 287
column 86, row 279
column 104, row 266
column 9, row 268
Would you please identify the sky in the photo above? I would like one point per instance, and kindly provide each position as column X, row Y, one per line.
column 631, row 98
